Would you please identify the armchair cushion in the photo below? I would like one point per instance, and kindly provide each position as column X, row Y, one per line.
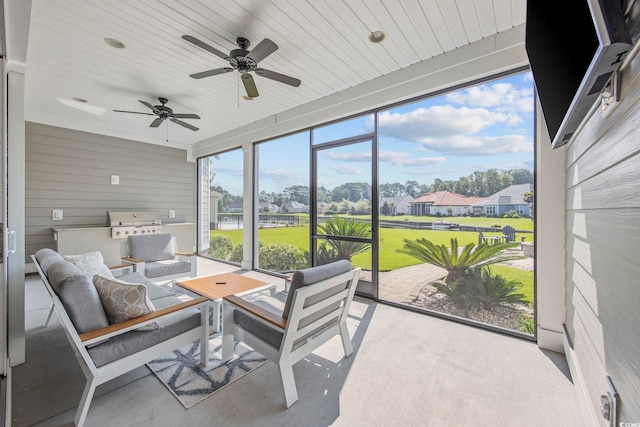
column 166, row 268
column 312, row 275
column 91, row 263
column 152, row 247
column 274, row 304
column 78, row 296
column 123, row 301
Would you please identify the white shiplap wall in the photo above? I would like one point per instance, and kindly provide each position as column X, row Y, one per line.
column 71, row 170
column 602, row 247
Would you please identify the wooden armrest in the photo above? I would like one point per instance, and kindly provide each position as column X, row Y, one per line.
column 186, row 253
column 260, row 312
column 137, row 320
column 135, row 260
column 116, row 267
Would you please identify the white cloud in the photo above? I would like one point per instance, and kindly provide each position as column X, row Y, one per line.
column 503, row 96
column 227, row 169
column 359, row 156
column 479, row 146
column 347, row 170
column 399, row 158
column 438, row 121
column 279, row 174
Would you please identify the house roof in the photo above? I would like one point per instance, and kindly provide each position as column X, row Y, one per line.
column 511, row 195
column 397, row 199
column 447, row 198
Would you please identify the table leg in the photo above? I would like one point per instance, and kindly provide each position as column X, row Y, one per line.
column 204, row 341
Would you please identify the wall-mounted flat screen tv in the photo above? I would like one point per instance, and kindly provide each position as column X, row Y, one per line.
column 573, row 48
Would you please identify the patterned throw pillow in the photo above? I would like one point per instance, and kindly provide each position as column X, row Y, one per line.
column 90, row 263
column 123, row 301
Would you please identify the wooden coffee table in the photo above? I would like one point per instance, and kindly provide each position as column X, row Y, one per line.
column 217, row 286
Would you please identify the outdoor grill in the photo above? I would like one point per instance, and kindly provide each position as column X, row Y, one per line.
column 125, row 224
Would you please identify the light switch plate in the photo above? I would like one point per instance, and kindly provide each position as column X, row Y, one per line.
column 57, row 215
column 115, row 180
column 172, row 213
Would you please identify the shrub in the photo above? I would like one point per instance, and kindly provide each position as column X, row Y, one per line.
column 280, row 257
column 220, row 246
column 457, row 293
column 236, row 253
column 489, row 290
column 526, row 325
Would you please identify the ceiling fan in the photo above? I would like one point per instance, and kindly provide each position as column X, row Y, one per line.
column 163, row 112
column 245, row 62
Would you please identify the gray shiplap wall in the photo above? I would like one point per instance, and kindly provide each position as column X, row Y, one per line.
column 602, row 247
column 71, row 170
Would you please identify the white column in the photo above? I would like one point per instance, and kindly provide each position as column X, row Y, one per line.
column 249, row 201
column 550, row 240
column 16, row 214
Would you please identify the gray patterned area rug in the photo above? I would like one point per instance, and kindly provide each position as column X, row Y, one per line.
column 180, row 371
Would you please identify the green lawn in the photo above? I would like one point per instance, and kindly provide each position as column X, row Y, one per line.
column 392, row 239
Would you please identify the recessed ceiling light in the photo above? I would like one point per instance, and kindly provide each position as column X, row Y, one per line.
column 114, row 43
column 79, row 99
column 377, row 36
column 82, row 106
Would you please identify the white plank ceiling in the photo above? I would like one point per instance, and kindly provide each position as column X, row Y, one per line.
column 321, row 42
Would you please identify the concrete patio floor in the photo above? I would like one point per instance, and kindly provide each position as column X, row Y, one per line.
column 408, row 369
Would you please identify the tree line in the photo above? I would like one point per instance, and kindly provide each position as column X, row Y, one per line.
column 476, row 184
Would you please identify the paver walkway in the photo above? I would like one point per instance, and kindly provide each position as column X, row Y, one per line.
column 403, row 285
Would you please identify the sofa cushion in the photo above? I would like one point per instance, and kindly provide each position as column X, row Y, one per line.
column 78, row 296
column 46, row 258
column 91, row 263
column 151, row 247
column 123, row 301
column 131, row 342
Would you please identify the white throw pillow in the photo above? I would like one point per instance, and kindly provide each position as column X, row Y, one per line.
column 123, row 301
column 90, row 263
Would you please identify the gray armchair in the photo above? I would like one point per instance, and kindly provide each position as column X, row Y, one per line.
column 288, row 326
column 155, row 256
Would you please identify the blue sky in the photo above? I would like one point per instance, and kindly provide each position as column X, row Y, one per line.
column 448, row 136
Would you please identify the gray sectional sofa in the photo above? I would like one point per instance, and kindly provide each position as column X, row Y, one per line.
column 107, row 349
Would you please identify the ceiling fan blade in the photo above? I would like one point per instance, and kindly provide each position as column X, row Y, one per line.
column 157, row 122
column 186, row 116
column 205, row 46
column 249, row 85
column 134, row 112
column 154, row 109
column 181, row 123
column 263, row 49
column 210, row 73
column 278, row 77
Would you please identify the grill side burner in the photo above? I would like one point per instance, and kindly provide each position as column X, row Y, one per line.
column 124, row 224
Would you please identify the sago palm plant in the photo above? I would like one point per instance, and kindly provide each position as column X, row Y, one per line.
column 491, row 290
column 340, row 226
column 456, row 261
